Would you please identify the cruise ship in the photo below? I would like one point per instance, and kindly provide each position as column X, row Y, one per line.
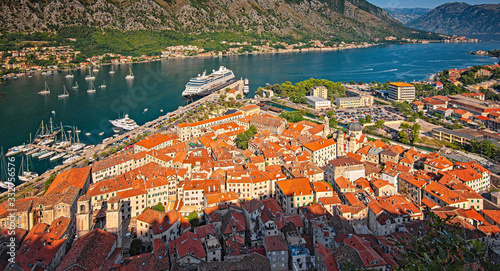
column 125, row 123
column 206, row 84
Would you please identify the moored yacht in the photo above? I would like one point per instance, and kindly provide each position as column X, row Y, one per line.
column 125, row 123
column 246, row 86
column 57, row 156
column 45, row 155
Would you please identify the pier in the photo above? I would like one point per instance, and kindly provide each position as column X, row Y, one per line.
column 51, row 149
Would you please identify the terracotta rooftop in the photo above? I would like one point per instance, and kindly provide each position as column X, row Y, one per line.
column 335, row 200
column 493, row 215
column 86, row 254
column 249, row 107
column 344, row 183
column 221, row 197
column 321, row 187
column 345, row 161
column 188, row 244
column 74, row 177
column 320, row 144
column 295, row 187
column 275, row 243
column 443, row 193
column 155, row 140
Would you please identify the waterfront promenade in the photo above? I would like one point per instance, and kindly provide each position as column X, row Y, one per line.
column 148, row 127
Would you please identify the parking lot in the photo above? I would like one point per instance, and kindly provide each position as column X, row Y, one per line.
column 353, row 115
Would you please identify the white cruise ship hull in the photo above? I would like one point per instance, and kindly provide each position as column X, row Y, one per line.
column 205, row 85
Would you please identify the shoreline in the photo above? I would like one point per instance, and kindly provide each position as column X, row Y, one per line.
column 147, row 127
column 219, row 55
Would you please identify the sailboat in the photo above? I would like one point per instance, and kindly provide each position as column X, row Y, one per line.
column 90, row 76
column 131, row 75
column 96, row 68
column 77, row 145
column 70, row 74
column 65, row 93
column 44, row 134
column 91, row 89
column 103, row 85
column 45, row 91
column 112, row 71
column 3, row 173
column 25, row 173
column 76, row 86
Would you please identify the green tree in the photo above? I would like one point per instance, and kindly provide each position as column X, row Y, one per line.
column 442, row 248
column 484, row 147
column 294, row 116
column 334, row 122
column 49, row 181
column 379, row 124
column 135, row 247
column 415, row 132
column 402, row 107
column 369, row 119
column 159, row 207
column 243, row 138
column 193, row 219
column 403, row 137
column 404, row 125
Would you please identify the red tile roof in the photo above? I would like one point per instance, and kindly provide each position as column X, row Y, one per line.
column 155, row 140
column 314, row 210
column 335, row 200
column 76, row 177
column 443, row 193
column 320, row 144
column 493, row 215
column 275, row 243
column 272, row 205
column 345, row 161
column 344, row 183
column 295, row 187
column 132, row 193
column 321, row 187
column 328, row 258
column 89, row 251
column 221, row 197
column 188, row 244
column 369, row 256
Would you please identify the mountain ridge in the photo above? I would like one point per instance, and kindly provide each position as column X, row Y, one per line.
column 460, row 18
column 343, row 18
column 406, row 15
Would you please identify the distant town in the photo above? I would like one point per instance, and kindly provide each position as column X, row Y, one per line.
column 16, row 63
column 354, row 176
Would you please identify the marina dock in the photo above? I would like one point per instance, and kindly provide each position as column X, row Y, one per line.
column 51, row 149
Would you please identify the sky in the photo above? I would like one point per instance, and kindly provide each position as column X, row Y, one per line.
column 424, row 3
